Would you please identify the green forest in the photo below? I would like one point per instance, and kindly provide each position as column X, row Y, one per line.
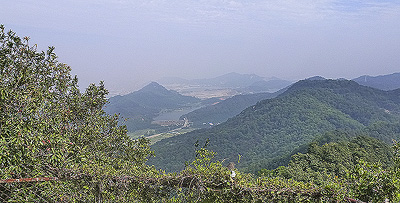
column 266, row 134
column 319, row 141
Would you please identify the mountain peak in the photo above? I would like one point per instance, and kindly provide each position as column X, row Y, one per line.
column 153, row 87
column 316, row 78
column 337, row 85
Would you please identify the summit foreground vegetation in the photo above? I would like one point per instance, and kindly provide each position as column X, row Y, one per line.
column 58, row 145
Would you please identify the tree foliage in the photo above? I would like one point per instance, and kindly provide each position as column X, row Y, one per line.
column 46, row 122
column 366, row 167
column 335, row 159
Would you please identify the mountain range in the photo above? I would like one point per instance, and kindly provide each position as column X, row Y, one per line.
column 270, row 130
column 383, row 82
column 142, row 106
column 221, row 111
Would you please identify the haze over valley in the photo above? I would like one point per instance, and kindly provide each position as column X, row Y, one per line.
column 204, row 103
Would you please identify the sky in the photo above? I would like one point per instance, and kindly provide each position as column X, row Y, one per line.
column 127, row 43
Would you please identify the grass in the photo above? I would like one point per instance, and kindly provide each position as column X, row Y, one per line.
column 151, row 134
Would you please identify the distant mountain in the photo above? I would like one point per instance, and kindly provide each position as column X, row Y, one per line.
column 223, row 110
column 272, row 85
column 383, row 82
column 146, row 103
column 316, row 78
column 240, row 83
column 264, row 133
column 156, row 96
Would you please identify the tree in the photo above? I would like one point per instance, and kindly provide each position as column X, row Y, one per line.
column 47, row 125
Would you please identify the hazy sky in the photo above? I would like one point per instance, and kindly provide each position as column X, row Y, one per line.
column 127, row 43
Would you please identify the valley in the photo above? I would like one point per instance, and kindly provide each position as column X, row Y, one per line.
column 154, row 109
column 175, row 114
column 212, row 101
column 267, row 132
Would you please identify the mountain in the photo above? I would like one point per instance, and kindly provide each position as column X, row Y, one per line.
column 223, row 110
column 316, row 78
column 264, row 133
column 225, row 85
column 383, row 82
column 158, row 97
column 272, row 85
column 143, row 105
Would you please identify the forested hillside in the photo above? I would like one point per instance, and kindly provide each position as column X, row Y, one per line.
column 265, row 133
column 334, row 154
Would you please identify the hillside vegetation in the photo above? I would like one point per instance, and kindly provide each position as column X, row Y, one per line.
column 265, row 133
column 334, row 154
